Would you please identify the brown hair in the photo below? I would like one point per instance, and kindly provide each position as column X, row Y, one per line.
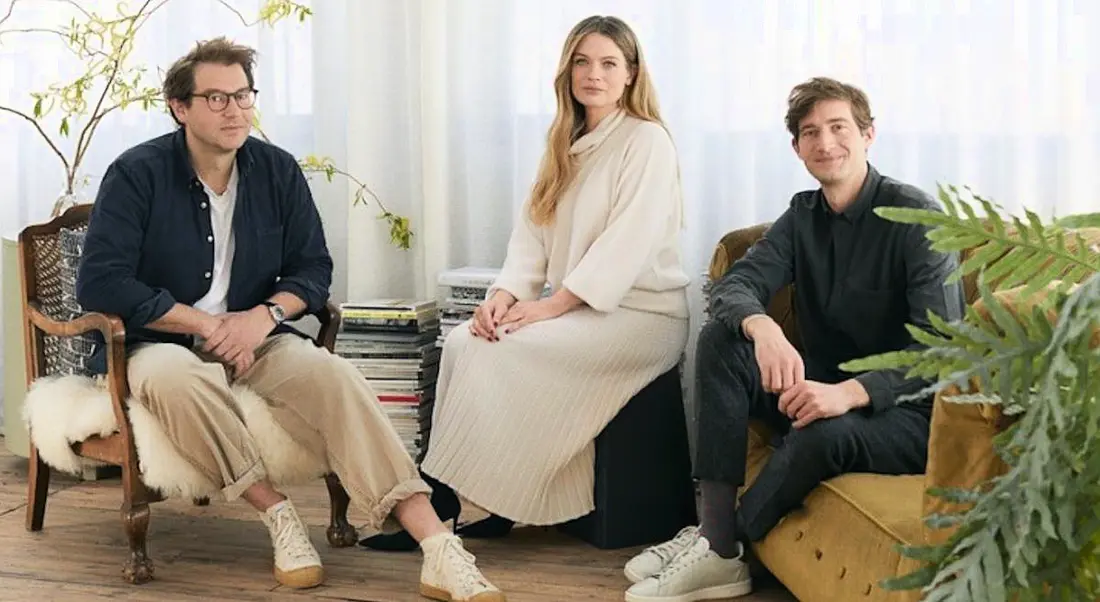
column 557, row 169
column 179, row 82
column 806, row 95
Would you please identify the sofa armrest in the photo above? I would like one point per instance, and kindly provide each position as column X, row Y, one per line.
column 960, row 444
column 960, row 453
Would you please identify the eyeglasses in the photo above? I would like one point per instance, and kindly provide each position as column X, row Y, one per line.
column 218, row 101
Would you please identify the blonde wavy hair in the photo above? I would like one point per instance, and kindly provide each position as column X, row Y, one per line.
column 557, row 168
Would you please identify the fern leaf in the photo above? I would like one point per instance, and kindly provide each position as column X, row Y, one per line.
column 1022, row 230
column 916, row 579
column 993, row 215
column 891, row 360
column 956, row 495
column 1009, row 262
column 1037, row 226
column 974, row 399
column 934, row 521
column 1004, row 320
column 985, row 255
column 910, row 215
column 1032, row 261
column 924, row 553
column 993, row 570
column 945, row 199
column 1086, row 220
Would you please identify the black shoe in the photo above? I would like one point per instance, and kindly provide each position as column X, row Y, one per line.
column 488, row 528
column 446, row 505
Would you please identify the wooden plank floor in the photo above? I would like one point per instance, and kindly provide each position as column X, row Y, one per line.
column 222, row 552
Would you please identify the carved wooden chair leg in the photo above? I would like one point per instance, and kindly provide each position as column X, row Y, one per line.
column 138, row 568
column 38, row 487
column 202, row 501
column 340, row 532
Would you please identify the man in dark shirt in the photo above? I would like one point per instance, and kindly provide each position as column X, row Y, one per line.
column 859, row 279
column 204, row 241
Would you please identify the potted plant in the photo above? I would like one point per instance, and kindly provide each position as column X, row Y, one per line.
column 110, row 81
column 1030, row 346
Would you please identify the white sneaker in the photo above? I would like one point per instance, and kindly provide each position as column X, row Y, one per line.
column 654, row 558
column 297, row 563
column 449, row 573
column 695, row 574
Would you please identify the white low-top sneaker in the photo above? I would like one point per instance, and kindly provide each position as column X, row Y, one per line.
column 695, row 574
column 297, row 563
column 449, row 573
column 654, row 558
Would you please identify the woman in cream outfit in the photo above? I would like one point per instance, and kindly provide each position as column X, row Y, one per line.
column 526, row 386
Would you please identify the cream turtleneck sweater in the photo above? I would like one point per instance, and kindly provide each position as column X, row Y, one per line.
column 615, row 239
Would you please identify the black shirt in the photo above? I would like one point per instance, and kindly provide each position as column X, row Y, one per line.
column 150, row 242
column 858, row 280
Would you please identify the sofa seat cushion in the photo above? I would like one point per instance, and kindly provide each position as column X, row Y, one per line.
column 842, row 543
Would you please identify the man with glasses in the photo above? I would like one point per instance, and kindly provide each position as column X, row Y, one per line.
column 205, row 241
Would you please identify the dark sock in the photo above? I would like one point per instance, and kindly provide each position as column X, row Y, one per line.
column 719, row 514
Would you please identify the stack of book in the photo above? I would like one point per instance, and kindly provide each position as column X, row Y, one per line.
column 392, row 344
column 461, row 290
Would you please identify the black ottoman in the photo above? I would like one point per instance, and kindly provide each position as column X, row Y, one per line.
column 644, row 491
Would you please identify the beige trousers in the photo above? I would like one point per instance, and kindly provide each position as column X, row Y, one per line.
column 318, row 398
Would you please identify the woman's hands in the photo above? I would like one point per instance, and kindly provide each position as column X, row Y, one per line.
column 489, row 314
column 503, row 310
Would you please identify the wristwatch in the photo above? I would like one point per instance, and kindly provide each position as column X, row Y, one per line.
column 278, row 314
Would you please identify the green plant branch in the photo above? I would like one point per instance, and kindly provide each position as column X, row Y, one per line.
column 89, row 128
column 45, row 136
column 1037, row 251
column 272, row 11
column 400, row 233
column 1033, row 532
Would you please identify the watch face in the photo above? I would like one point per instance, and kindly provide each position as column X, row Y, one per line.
column 278, row 313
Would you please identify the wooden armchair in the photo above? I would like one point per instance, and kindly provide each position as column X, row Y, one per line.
column 47, row 326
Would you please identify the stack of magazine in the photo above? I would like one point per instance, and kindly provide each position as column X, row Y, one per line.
column 392, row 344
column 461, row 290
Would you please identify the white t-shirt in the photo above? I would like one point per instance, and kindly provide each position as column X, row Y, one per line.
column 221, row 222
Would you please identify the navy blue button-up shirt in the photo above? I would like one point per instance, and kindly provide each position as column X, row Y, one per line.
column 149, row 241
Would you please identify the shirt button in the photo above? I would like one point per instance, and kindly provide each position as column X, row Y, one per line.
column 207, row 275
column 210, row 238
column 203, row 205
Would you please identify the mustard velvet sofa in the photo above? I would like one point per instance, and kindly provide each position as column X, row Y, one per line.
column 843, row 542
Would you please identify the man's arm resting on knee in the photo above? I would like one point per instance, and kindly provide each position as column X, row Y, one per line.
column 184, row 319
column 751, row 282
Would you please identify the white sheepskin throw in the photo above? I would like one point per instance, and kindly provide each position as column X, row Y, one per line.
column 62, row 410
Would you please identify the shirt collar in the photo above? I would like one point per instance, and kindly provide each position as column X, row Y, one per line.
column 863, row 201
column 245, row 157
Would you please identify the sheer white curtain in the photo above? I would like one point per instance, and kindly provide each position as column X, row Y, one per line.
column 454, row 97
column 451, row 100
column 441, row 107
column 33, row 176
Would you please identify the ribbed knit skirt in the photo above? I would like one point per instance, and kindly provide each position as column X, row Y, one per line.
column 515, row 421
